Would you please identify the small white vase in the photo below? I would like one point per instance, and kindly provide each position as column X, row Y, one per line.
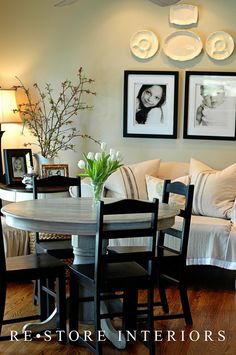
column 40, row 160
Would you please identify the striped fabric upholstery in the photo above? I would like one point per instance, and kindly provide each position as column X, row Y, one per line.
column 129, row 180
column 214, row 191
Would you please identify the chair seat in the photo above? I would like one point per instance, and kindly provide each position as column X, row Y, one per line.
column 125, row 274
column 22, row 267
column 61, row 249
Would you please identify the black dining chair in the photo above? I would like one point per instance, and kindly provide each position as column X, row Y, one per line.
column 117, row 272
column 39, row 267
column 171, row 262
column 56, row 245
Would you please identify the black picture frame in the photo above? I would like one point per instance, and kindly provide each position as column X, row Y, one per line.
column 210, row 105
column 17, row 163
column 158, row 121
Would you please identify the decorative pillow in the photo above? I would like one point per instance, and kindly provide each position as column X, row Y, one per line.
column 129, row 180
column 214, row 191
column 155, row 190
column 233, row 216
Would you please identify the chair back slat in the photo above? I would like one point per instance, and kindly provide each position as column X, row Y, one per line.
column 56, row 181
column 128, row 233
column 128, row 206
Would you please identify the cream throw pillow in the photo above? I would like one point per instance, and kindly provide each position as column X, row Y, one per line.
column 129, row 180
column 155, row 190
column 214, row 191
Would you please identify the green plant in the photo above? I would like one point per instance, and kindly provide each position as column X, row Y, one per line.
column 50, row 119
column 99, row 166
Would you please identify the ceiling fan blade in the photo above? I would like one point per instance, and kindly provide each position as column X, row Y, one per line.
column 165, row 2
column 65, row 3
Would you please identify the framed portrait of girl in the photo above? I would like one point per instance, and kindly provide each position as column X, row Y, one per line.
column 150, row 104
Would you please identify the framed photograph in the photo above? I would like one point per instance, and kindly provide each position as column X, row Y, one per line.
column 55, row 169
column 150, row 104
column 210, row 105
column 17, row 163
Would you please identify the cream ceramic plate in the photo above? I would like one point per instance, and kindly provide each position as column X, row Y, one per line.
column 144, row 44
column 182, row 45
column 219, row 45
column 183, row 14
column 165, row 2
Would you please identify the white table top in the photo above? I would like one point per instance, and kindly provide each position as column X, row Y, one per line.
column 71, row 216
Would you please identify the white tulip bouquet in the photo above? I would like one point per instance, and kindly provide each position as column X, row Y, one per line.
column 99, row 166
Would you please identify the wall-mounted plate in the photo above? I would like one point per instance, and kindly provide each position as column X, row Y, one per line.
column 165, row 2
column 182, row 45
column 144, row 44
column 219, row 45
column 183, row 14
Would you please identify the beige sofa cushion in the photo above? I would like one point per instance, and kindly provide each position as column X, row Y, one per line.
column 173, row 169
column 129, row 180
column 155, row 190
column 214, row 191
column 211, row 242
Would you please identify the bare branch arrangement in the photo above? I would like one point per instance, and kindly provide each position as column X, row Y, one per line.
column 50, row 119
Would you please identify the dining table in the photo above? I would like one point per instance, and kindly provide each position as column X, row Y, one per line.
column 76, row 217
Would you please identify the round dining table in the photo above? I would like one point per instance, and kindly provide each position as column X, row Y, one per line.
column 76, row 217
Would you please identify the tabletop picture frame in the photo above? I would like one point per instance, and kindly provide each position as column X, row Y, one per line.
column 210, row 105
column 150, row 104
column 55, row 169
column 17, row 163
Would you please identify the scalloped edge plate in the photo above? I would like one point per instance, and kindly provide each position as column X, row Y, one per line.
column 144, row 44
column 183, row 14
column 182, row 45
column 219, row 45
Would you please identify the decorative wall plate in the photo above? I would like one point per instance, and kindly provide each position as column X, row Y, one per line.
column 165, row 2
column 144, row 44
column 183, row 14
column 219, row 45
column 182, row 45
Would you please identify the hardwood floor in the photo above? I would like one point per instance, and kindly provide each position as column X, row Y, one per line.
column 213, row 330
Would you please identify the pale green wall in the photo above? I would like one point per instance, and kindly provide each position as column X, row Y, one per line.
column 42, row 43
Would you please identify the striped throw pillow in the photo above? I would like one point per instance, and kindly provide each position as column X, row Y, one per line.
column 214, row 191
column 129, row 180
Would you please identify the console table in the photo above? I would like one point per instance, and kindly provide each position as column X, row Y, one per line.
column 15, row 193
column 20, row 242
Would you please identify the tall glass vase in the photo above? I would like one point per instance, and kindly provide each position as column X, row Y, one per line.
column 97, row 189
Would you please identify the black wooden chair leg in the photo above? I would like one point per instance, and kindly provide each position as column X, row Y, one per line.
column 50, row 300
column 185, row 303
column 74, row 305
column 61, row 307
column 130, row 303
column 42, row 299
column 162, row 293
column 150, row 321
column 3, row 291
column 97, row 328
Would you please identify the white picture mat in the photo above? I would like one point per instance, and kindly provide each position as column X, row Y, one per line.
column 134, row 84
column 227, row 111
